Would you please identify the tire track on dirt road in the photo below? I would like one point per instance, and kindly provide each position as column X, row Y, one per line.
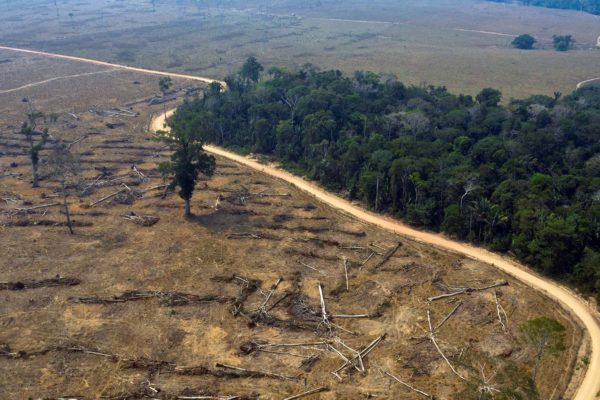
column 57, row 78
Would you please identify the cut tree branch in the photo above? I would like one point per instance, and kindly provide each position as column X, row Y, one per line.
column 414, row 389
column 308, row 393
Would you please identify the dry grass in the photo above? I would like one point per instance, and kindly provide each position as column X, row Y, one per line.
column 423, row 47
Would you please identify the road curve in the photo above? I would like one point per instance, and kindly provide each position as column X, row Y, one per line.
column 590, row 386
column 582, row 83
column 574, row 304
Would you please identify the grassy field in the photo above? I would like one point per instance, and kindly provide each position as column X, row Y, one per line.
column 420, row 42
column 75, row 341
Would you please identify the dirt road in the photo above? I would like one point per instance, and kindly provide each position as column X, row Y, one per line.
column 107, row 64
column 485, row 32
column 57, row 78
column 590, row 386
column 582, row 83
column 358, row 21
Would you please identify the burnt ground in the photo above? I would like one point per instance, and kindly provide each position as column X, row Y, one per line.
column 134, row 306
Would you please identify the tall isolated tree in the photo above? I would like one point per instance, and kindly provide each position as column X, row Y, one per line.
column 251, row 70
column 544, row 335
column 189, row 132
column 164, row 84
column 62, row 165
column 36, row 139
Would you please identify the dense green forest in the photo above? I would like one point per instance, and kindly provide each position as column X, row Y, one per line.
column 522, row 177
column 591, row 6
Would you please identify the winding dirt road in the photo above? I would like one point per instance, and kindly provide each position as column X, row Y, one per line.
column 590, row 386
column 583, row 83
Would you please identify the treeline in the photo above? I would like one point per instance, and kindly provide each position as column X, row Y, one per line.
column 523, row 178
column 591, row 6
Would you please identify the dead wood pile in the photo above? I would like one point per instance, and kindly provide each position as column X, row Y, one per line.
column 52, row 282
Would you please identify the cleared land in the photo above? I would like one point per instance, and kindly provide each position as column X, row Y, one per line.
column 142, row 304
column 434, row 42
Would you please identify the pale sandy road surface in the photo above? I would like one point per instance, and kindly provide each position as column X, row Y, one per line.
column 590, row 386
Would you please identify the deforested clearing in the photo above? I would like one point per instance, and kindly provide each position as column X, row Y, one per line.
column 264, row 293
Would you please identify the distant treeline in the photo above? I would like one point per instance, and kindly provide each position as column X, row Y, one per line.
column 523, row 178
column 591, row 6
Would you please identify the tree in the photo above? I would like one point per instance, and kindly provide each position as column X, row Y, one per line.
column 164, row 84
column 588, row 270
column 524, row 42
column 563, row 43
column 489, row 97
column 29, row 129
column 503, row 381
column 417, row 123
column 543, row 335
column 415, row 151
column 251, row 70
column 188, row 135
column 61, row 166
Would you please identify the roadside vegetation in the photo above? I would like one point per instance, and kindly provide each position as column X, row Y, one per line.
column 521, row 178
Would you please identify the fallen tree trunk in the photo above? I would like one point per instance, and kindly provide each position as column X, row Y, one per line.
column 52, row 282
column 110, row 196
column 387, row 256
column 467, row 290
column 37, row 207
column 256, row 374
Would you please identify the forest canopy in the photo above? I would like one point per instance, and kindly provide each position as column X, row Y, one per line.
column 591, row 6
column 522, row 178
